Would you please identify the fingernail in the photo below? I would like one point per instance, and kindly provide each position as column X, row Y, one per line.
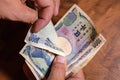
column 60, row 59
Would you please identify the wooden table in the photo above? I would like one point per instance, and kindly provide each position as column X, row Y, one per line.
column 106, row 16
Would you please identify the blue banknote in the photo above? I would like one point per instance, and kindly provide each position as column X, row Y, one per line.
column 46, row 38
column 38, row 58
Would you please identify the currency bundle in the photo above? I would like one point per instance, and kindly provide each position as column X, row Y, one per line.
column 74, row 36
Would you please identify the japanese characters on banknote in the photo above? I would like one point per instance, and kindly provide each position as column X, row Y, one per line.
column 47, row 39
column 74, row 37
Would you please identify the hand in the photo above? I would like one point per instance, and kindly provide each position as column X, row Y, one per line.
column 59, row 68
column 16, row 10
column 78, row 76
column 47, row 8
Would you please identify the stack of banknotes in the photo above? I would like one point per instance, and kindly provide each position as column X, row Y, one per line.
column 74, row 37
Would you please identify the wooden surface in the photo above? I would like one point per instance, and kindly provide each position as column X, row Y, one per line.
column 106, row 16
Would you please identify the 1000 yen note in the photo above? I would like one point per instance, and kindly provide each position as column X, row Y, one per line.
column 78, row 29
column 39, row 59
column 86, row 56
column 47, row 39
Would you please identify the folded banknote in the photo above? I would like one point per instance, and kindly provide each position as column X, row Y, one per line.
column 39, row 59
column 47, row 39
column 74, row 36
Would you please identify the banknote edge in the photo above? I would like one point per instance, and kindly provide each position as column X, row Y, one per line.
column 42, row 46
column 77, row 68
column 32, row 70
column 26, row 58
column 75, row 5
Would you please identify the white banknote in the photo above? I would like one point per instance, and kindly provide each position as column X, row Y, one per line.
column 85, row 56
column 48, row 39
column 78, row 29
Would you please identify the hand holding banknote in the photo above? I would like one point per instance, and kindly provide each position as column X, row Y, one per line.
column 74, row 37
column 58, row 70
column 46, row 9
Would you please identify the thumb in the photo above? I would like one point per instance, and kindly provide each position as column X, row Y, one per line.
column 58, row 69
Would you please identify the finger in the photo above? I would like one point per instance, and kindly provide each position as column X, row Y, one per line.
column 20, row 12
column 58, row 69
column 78, row 76
column 45, row 14
column 23, row 1
column 56, row 8
column 27, row 14
column 17, row 11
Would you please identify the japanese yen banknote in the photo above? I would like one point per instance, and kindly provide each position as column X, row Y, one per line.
column 74, row 36
column 39, row 59
column 47, row 39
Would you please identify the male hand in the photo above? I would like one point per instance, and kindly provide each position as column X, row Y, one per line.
column 59, row 68
column 47, row 8
column 17, row 10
